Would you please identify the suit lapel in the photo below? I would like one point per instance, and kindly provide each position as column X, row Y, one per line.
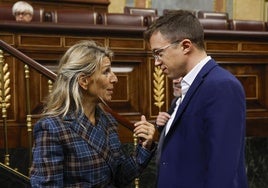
column 190, row 93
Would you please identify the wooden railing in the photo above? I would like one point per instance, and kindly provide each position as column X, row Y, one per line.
column 27, row 60
column 13, row 178
column 5, row 97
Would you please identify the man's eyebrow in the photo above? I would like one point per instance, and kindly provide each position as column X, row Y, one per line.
column 156, row 49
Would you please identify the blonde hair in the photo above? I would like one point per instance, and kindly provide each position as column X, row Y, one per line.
column 82, row 58
column 22, row 6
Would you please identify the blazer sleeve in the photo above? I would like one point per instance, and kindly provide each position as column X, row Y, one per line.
column 47, row 166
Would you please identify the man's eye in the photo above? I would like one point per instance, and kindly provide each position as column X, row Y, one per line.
column 160, row 54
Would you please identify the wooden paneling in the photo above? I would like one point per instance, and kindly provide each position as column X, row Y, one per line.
column 244, row 54
column 8, row 38
column 70, row 40
column 237, row 46
column 226, row 46
column 39, row 41
column 126, row 44
column 254, row 47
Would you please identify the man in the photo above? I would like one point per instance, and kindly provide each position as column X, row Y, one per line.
column 22, row 11
column 204, row 145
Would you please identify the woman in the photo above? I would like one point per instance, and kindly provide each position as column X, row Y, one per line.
column 76, row 143
column 22, row 11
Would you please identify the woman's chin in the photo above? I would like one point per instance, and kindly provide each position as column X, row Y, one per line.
column 107, row 98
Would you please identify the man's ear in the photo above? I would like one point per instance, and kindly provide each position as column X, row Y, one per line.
column 83, row 81
column 186, row 45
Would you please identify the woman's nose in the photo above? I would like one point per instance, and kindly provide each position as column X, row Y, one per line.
column 114, row 78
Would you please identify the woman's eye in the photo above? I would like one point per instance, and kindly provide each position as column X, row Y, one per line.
column 107, row 71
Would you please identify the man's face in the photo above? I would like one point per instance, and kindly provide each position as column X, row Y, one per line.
column 168, row 55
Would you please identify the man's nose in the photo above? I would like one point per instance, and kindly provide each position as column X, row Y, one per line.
column 157, row 62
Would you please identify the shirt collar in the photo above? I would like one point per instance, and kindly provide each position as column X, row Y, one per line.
column 190, row 76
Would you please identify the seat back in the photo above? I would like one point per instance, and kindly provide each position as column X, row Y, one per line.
column 6, row 13
column 247, row 25
column 124, row 19
column 215, row 24
column 212, row 15
column 74, row 16
column 140, row 11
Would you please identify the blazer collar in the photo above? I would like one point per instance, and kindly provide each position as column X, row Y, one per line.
column 192, row 89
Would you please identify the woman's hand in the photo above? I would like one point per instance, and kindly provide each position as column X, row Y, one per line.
column 145, row 132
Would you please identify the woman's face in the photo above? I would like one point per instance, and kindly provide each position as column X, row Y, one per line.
column 102, row 81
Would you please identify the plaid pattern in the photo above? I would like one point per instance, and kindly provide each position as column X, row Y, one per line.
column 70, row 152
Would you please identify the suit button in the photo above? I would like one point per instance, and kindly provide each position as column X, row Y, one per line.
column 164, row 163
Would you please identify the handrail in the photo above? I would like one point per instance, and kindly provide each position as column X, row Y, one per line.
column 9, row 170
column 123, row 121
column 51, row 75
column 27, row 60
